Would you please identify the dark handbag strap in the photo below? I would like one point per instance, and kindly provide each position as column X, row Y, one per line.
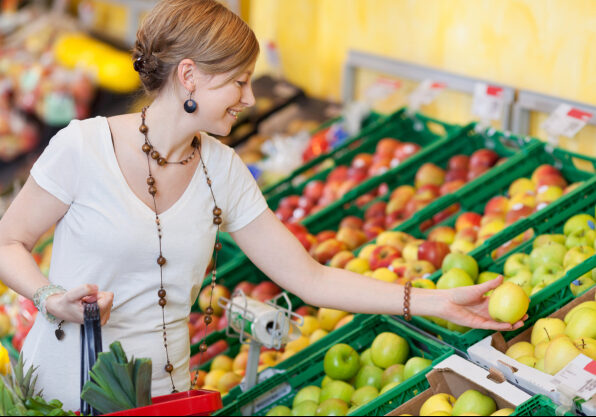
column 90, row 347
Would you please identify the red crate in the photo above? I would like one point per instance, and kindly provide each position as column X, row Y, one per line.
column 189, row 403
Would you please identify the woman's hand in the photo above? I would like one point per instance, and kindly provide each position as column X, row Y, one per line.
column 468, row 306
column 68, row 306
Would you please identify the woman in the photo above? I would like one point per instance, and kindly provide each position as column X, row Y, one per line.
column 138, row 200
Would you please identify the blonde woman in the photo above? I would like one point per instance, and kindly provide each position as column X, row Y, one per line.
column 138, row 199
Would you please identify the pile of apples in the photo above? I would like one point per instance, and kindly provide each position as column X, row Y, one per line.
column 353, row 380
column 555, row 342
column 317, row 324
column 318, row 194
column 470, row 403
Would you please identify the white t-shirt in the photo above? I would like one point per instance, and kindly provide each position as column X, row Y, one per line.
column 108, row 237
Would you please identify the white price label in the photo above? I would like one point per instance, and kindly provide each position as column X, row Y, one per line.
column 426, row 92
column 382, row 88
column 566, row 121
column 488, row 102
column 579, row 376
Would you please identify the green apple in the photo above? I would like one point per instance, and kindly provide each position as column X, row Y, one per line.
column 559, row 353
column 587, row 346
column 503, row 412
column 337, row 389
column 522, row 278
column 543, row 239
column 582, row 324
column 457, row 328
column 305, row 408
column 310, row 393
column 454, row 278
column 577, row 255
column 461, row 261
column 369, row 376
column 389, row 349
column 587, row 304
column 487, row 276
column 395, row 373
column 547, row 329
column 389, row 387
column 333, row 407
column 516, row 263
column 551, row 252
column 528, row 361
column 538, row 288
column 578, row 222
column 341, row 362
column 509, row 303
column 581, row 237
column 580, row 285
column 365, row 358
column 280, row 410
column 547, row 273
column 352, row 409
column 364, row 395
column 438, row 321
column 326, row 380
column 438, row 402
column 520, row 349
column 415, row 365
column 472, row 401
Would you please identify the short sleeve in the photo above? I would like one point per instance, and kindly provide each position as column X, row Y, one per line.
column 57, row 169
column 245, row 201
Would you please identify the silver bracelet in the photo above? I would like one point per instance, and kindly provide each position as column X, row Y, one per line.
column 40, row 297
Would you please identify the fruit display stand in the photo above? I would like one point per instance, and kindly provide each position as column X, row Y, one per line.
column 490, row 352
column 308, row 369
column 549, row 220
column 454, row 376
column 540, row 405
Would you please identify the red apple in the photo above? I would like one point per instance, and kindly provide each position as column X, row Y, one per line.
column 571, row 187
column 325, row 235
column 265, row 291
column 351, row 222
column 306, row 311
column 307, row 240
column 379, row 167
column 427, row 192
column 459, row 162
column 372, row 231
column 518, row 212
column 338, row 174
column 222, row 323
column 327, row 250
column 396, row 205
column 375, row 210
column 414, row 206
column 476, row 172
column 358, row 174
column 551, row 180
column 246, row 287
column 383, row 256
column 218, row 292
column 363, row 200
column 419, row 269
column 296, row 228
column 429, row 173
column 215, row 349
column 403, row 192
column 405, row 150
column 469, row 219
column 451, row 187
column 194, row 318
column 498, row 204
column 353, row 238
column 314, row 190
column 443, row 234
column 394, row 219
column 284, row 213
column 290, row 201
column 433, row 252
column 445, row 214
column 386, row 147
column 469, row 234
column 483, row 158
column 382, row 190
column 362, row 160
column 341, row 259
column 456, row 175
column 543, row 171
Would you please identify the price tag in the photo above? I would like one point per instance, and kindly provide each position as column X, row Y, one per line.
column 273, row 55
column 382, row 88
column 488, row 102
column 579, row 376
column 566, row 121
column 426, row 92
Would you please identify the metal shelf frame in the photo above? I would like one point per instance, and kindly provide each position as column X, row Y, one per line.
column 362, row 60
column 529, row 101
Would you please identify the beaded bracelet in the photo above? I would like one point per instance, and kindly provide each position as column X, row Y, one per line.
column 407, row 289
column 40, row 297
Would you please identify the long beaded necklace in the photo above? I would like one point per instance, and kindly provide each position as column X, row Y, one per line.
column 151, row 153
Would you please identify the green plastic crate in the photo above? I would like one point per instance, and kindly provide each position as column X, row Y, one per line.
column 281, row 389
column 7, row 343
column 540, row 405
column 547, row 221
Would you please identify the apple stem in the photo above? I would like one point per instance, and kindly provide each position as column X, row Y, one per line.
column 547, row 335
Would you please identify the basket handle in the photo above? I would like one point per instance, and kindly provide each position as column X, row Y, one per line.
column 91, row 346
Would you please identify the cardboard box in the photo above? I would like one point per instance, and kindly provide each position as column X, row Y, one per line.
column 456, row 375
column 490, row 354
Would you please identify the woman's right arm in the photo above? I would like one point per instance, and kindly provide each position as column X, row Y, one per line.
column 30, row 215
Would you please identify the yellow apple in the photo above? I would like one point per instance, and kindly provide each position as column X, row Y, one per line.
column 520, row 349
column 522, row 186
column 587, row 304
column 546, row 330
column 358, row 265
column 213, row 377
column 559, row 353
column 508, row 303
column 462, row 246
column 587, row 346
column 384, row 274
column 318, row 334
column 503, row 412
column 438, row 402
column 582, row 324
column 310, row 325
column 328, row 318
column 366, row 251
column 528, row 361
column 410, row 252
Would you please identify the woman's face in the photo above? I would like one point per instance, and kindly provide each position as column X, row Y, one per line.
column 220, row 105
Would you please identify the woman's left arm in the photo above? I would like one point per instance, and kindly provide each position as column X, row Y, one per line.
column 276, row 252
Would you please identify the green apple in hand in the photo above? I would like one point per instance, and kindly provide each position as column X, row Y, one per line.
column 578, row 222
column 552, row 252
column 543, row 239
column 305, row 408
column 461, row 261
column 454, row 278
column 310, row 393
column 472, row 401
column 416, row 365
column 581, row 237
column 333, row 407
column 337, row 389
column 488, row 276
column 395, row 373
column 559, row 353
column 369, row 376
column 516, row 263
column 547, row 329
column 508, row 303
column 341, row 362
column 582, row 324
column 364, row 395
column 389, row 349
column 580, row 285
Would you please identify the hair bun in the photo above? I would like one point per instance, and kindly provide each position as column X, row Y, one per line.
column 146, row 65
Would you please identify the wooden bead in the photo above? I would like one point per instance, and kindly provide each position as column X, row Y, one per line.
column 218, row 246
column 203, row 347
column 195, row 142
column 217, row 220
column 217, row 211
column 161, row 261
column 155, row 155
column 161, row 161
column 143, row 129
column 161, row 293
column 162, row 302
column 169, row 368
column 208, row 320
column 152, row 190
column 150, row 181
column 209, row 311
column 146, row 148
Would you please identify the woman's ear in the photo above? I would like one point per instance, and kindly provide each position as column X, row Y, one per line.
column 187, row 74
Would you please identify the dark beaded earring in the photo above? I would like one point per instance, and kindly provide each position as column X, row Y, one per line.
column 190, row 106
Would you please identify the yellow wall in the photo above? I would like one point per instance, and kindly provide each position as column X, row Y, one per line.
column 540, row 45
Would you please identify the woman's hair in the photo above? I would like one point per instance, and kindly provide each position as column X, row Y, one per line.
column 207, row 32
